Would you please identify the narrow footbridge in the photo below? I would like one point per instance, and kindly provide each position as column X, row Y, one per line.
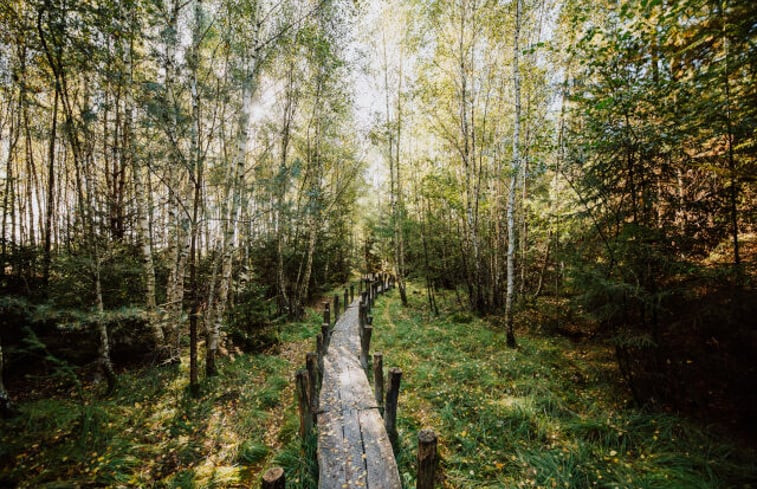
column 354, row 449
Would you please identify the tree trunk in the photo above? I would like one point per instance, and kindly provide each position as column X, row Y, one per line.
column 145, row 242
column 196, row 176
column 50, row 194
column 6, row 407
column 511, row 195
column 231, row 217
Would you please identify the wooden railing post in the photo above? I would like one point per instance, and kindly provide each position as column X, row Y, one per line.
column 352, row 292
column 320, row 348
column 346, row 299
column 390, row 408
column 311, row 364
column 274, row 479
column 378, row 379
column 361, row 315
column 365, row 344
column 326, row 332
column 336, row 307
column 303, row 402
column 326, row 313
column 426, row 459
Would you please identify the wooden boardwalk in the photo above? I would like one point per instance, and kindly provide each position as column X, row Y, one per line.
column 354, row 450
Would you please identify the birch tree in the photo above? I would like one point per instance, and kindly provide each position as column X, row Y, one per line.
column 513, row 183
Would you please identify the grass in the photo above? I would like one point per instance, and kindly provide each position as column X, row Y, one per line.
column 549, row 414
column 152, row 433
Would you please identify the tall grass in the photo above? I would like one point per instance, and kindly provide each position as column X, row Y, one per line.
column 549, row 414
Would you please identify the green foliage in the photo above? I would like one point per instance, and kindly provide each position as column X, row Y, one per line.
column 656, row 149
column 251, row 452
column 248, row 321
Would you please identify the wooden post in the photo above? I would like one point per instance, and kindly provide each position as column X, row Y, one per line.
column 326, row 313
column 364, row 298
column 311, row 363
column 352, row 292
column 346, row 299
column 378, row 379
column 365, row 344
column 303, row 402
column 361, row 316
column 426, row 459
column 274, row 479
column 321, row 350
column 325, row 332
column 390, row 408
column 336, row 307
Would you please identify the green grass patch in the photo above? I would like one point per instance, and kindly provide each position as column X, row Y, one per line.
column 151, row 432
column 550, row 414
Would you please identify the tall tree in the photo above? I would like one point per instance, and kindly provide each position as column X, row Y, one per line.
column 513, row 183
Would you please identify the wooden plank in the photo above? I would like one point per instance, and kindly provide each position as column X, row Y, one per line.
column 381, row 466
column 331, row 457
column 353, row 448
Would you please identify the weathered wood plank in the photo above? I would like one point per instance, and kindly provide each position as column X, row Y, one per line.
column 331, row 456
column 379, row 458
column 353, row 447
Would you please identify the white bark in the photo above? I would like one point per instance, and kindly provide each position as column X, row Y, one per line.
column 513, row 184
column 231, row 216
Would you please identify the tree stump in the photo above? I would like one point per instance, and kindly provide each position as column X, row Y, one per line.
column 274, row 479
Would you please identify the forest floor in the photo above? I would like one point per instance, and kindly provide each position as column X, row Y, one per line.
column 549, row 414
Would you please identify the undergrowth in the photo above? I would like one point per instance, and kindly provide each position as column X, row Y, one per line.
column 152, row 433
column 550, row 414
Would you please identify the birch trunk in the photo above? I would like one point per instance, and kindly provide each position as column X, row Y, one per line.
column 143, row 237
column 231, row 217
column 178, row 221
column 143, row 213
column 196, row 172
column 511, row 194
